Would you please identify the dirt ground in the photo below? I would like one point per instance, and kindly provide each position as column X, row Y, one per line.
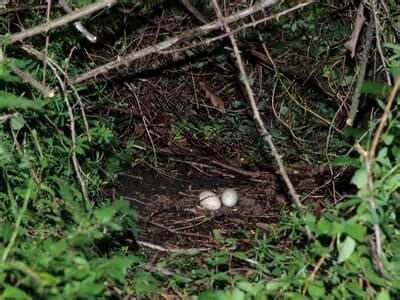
column 171, row 218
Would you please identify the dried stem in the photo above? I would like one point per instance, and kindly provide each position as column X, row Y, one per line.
column 372, row 206
column 60, row 21
column 158, row 48
column 355, row 101
column 261, row 126
column 39, row 56
column 47, row 93
column 384, row 118
column 75, row 161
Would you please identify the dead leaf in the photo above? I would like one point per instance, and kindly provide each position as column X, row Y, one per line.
column 216, row 101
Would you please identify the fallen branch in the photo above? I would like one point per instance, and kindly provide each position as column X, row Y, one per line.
column 16, row 37
column 78, row 25
column 355, row 101
column 40, row 57
column 46, row 93
column 157, row 48
column 257, row 117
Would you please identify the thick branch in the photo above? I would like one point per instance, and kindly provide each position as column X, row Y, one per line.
column 60, row 21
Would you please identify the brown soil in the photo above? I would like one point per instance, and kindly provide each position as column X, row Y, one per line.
column 170, row 216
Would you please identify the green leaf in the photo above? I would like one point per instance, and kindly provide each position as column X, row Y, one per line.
column 238, row 295
column 383, row 295
column 360, row 178
column 245, row 286
column 8, row 100
column 5, row 74
column 356, row 231
column 375, row 88
column 345, row 249
column 104, row 215
column 117, row 266
column 324, row 226
column 345, row 160
column 316, row 290
column 17, row 122
column 11, row 292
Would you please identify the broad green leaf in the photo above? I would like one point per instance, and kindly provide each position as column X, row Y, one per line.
column 375, row 88
column 5, row 74
column 345, row 248
column 356, row 231
column 383, row 295
column 11, row 292
column 8, row 100
column 360, row 178
column 245, row 286
column 104, row 214
column 316, row 290
column 324, row 226
column 17, row 122
column 238, row 294
column 117, row 266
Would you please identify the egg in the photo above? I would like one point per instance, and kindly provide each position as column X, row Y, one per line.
column 229, row 197
column 209, row 200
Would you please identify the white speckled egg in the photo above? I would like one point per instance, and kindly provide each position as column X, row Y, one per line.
column 229, row 197
column 209, row 200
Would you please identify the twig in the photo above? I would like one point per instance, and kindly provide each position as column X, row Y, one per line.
column 75, row 161
column 372, row 207
column 193, row 10
column 240, row 171
column 78, row 25
column 60, row 21
column 32, row 81
column 190, row 251
column 46, row 47
column 240, row 28
column 39, row 56
column 173, row 230
column 384, row 118
column 378, row 42
column 144, row 122
column 355, row 101
column 158, row 48
column 263, row 131
column 318, row 266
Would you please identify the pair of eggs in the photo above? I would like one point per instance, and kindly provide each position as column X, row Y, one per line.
column 211, row 201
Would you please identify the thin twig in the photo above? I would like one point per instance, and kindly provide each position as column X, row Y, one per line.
column 75, row 161
column 46, row 47
column 321, row 260
column 190, row 251
column 46, row 93
column 144, row 122
column 261, row 126
column 16, row 37
column 384, row 118
column 355, row 101
column 372, row 207
column 39, row 56
column 158, row 48
column 378, row 41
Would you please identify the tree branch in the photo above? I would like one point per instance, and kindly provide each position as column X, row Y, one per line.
column 157, row 48
column 59, row 22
